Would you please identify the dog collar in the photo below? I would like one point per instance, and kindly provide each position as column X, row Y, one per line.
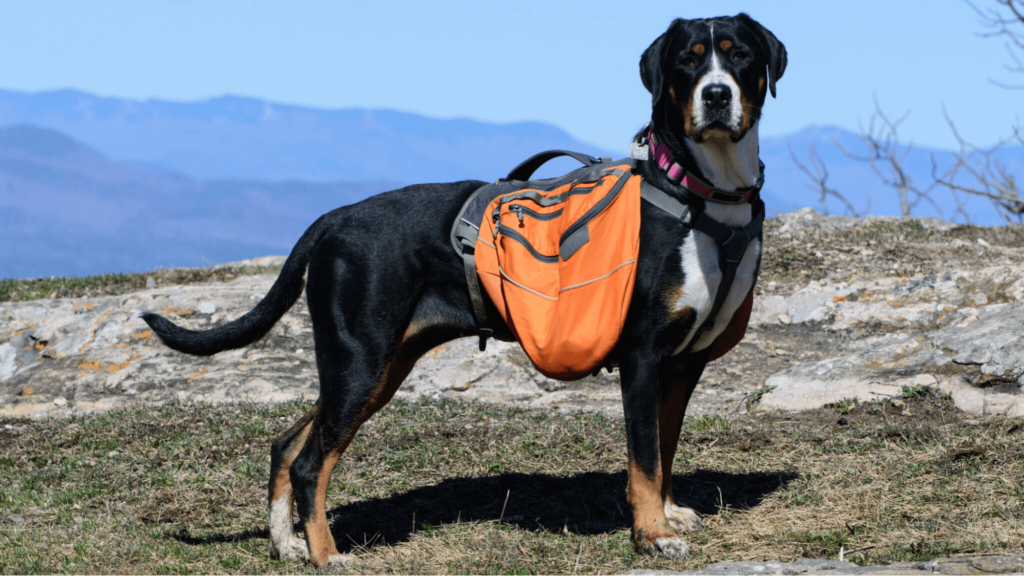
column 676, row 174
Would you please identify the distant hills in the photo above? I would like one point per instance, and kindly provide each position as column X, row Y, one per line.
column 67, row 210
column 249, row 139
column 91, row 185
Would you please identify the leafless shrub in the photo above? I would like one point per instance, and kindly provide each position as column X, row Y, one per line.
column 885, row 154
column 991, row 178
column 817, row 171
column 1006, row 20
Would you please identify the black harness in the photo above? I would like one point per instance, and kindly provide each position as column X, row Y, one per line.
column 732, row 242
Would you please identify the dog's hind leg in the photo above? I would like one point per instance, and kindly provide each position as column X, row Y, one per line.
column 677, row 386
column 283, row 543
column 329, row 435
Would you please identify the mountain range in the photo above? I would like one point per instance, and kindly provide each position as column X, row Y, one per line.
column 91, row 184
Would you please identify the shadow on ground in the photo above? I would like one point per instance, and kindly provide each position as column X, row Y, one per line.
column 588, row 503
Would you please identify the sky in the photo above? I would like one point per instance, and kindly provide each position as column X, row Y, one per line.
column 571, row 64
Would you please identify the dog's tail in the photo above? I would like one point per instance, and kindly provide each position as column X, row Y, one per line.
column 258, row 321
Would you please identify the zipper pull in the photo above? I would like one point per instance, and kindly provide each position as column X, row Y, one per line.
column 518, row 210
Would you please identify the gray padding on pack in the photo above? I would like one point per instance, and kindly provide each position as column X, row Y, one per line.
column 574, row 243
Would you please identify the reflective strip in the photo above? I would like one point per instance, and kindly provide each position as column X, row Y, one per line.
column 485, row 242
column 470, row 223
column 524, row 287
column 599, row 277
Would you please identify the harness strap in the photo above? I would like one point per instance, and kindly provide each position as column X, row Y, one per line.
column 476, row 295
column 732, row 242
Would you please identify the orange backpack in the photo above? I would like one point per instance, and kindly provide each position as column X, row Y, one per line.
column 558, row 258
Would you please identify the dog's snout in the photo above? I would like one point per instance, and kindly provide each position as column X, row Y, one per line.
column 716, row 96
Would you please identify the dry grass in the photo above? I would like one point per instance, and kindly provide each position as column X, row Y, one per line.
column 444, row 487
column 13, row 290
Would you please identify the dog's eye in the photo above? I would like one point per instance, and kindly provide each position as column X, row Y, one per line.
column 687, row 61
column 740, row 56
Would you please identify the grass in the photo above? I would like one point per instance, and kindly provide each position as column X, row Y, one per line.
column 116, row 284
column 447, row 487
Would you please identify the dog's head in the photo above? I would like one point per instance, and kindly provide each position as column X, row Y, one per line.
column 708, row 78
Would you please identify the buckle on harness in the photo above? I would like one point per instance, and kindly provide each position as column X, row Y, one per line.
column 485, row 333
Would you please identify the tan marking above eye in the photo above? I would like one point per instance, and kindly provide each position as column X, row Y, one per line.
column 725, row 44
column 698, row 49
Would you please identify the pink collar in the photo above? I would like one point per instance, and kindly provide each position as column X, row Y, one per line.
column 680, row 177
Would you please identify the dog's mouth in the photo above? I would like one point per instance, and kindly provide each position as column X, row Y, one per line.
column 715, row 127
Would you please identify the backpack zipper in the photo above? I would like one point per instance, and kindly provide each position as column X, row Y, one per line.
column 521, row 211
column 513, row 235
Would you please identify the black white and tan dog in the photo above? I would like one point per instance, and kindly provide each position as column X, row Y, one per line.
column 384, row 287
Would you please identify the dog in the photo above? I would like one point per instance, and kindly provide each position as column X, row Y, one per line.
column 380, row 300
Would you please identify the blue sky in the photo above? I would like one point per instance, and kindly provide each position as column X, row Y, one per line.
column 572, row 64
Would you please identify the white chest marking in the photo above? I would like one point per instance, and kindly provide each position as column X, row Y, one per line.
column 702, row 275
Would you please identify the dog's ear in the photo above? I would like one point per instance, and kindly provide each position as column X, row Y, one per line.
column 652, row 63
column 773, row 48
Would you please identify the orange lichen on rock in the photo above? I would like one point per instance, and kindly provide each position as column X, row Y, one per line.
column 839, row 298
column 116, row 367
column 90, row 365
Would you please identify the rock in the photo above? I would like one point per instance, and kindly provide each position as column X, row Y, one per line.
column 264, row 262
column 881, row 368
column 60, row 401
column 150, row 282
column 836, row 322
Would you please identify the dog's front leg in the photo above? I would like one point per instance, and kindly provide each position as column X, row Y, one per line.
column 677, row 386
column 641, row 390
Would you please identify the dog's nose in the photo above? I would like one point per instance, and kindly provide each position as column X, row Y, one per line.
column 716, row 95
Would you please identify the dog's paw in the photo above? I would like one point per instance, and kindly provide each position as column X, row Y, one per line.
column 674, row 548
column 293, row 548
column 682, row 519
column 339, row 561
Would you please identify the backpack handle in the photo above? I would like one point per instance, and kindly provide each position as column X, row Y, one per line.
column 526, row 169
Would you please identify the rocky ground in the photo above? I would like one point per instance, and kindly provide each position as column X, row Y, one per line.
column 846, row 309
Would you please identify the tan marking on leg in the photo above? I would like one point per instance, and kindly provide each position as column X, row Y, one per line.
column 284, row 544
column 652, row 534
column 644, row 496
column 725, row 44
column 318, row 533
column 697, row 49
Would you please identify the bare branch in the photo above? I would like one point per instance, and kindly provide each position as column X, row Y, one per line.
column 818, row 173
column 990, row 177
column 1005, row 21
column 886, row 156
